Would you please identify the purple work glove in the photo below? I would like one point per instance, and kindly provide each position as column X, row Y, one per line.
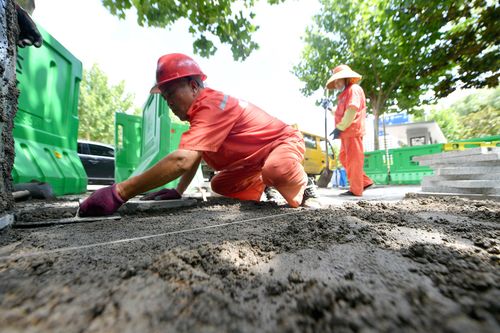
column 104, row 201
column 165, row 194
column 28, row 32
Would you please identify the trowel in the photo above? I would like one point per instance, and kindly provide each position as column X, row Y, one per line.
column 66, row 220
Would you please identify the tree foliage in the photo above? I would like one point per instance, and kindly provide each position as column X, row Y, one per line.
column 229, row 20
column 97, row 105
column 471, row 43
column 479, row 113
column 472, row 116
column 403, row 48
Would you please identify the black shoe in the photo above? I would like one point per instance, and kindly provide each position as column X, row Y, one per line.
column 368, row 186
column 346, row 194
column 310, row 191
column 272, row 194
column 310, row 198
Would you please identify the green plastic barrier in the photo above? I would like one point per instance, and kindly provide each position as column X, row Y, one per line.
column 375, row 166
column 161, row 133
column 404, row 170
column 482, row 139
column 128, row 132
column 488, row 141
column 46, row 124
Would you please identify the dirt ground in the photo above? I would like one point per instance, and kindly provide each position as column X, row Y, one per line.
column 418, row 265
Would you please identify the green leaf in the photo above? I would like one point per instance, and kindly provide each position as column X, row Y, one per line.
column 97, row 105
column 403, row 48
column 210, row 20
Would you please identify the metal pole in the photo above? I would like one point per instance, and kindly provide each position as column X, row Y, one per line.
column 326, row 174
column 387, row 161
column 326, row 136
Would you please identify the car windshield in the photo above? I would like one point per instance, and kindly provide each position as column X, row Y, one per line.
column 101, row 150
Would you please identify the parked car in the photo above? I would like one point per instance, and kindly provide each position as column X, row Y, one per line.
column 98, row 160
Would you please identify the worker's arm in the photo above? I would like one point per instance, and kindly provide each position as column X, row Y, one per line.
column 108, row 200
column 171, row 193
column 347, row 119
column 178, row 163
column 187, row 177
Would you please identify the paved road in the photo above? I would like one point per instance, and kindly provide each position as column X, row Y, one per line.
column 330, row 196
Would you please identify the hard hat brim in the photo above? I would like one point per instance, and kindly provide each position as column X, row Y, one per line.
column 156, row 88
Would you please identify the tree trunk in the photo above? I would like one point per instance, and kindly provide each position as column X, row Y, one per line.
column 8, row 100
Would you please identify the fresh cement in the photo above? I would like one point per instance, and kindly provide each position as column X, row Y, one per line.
column 417, row 265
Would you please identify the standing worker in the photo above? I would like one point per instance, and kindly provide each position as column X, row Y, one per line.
column 249, row 148
column 350, row 127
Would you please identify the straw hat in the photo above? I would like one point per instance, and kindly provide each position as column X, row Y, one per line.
column 343, row 72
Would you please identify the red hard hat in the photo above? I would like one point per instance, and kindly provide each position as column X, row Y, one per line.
column 174, row 66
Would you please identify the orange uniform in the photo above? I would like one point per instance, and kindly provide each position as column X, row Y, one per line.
column 249, row 147
column 351, row 151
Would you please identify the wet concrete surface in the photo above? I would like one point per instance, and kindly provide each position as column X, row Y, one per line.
column 364, row 265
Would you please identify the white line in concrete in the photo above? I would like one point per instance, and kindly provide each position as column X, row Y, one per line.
column 126, row 240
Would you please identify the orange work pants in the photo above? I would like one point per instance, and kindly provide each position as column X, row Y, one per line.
column 352, row 158
column 282, row 169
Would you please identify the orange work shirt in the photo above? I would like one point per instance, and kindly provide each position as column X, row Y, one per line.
column 232, row 133
column 353, row 95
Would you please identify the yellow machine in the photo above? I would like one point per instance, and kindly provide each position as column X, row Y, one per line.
column 315, row 156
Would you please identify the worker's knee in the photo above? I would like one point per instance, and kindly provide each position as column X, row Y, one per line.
column 277, row 172
column 247, row 189
column 218, row 186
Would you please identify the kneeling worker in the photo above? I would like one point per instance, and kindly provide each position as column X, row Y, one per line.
column 249, row 148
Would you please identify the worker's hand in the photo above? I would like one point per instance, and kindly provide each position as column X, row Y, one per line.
column 335, row 133
column 102, row 202
column 165, row 194
column 28, row 32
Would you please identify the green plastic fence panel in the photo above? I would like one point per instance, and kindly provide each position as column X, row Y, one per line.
column 404, row 170
column 128, row 133
column 161, row 133
column 482, row 139
column 375, row 166
column 473, row 143
column 46, row 124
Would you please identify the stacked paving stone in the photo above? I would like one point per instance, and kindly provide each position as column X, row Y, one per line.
column 474, row 171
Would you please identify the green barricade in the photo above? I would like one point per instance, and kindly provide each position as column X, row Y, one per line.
column 375, row 166
column 161, row 133
column 128, row 132
column 46, row 124
column 488, row 141
column 482, row 139
column 404, row 170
